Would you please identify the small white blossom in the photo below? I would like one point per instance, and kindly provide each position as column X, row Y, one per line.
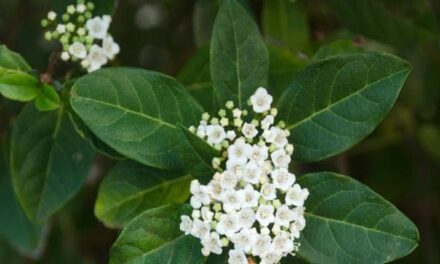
column 228, row 225
column 207, row 214
column 96, row 58
column 110, row 47
column 200, row 194
column 282, row 179
column 265, row 214
column 246, row 217
column 249, row 130
column 261, row 245
column 228, row 180
column 261, row 100
column 52, row 15
column 250, row 196
column 239, row 151
column 65, row 56
column 280, row 158
column 237, row 257
column 267, row 122
column 81, row 8
column 245, row 239
column 78, row 50
column 186, row 224
column 284, row 216
column 98, row 27
column 232, row 200
column 200, row 229
column 212, row 243
column 268, row 191
column 61, row 28
column 296, row 196
column 215, row 133
column 259, row 154
column 230, row 135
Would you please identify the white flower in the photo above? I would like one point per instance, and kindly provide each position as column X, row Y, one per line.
column 265, row 214
column 250, row 197
column 278, row 137
column 267, row 122
column 96, row 58
column 249, row 130
column 282, row 179
column 228, row 225
column 51, row 15
column 186, row 224
column 78, row 50
column 230, row 135
column 98, row 27
column 85, row 64
column 245, row 239
column 201, row 129
column 81, row 8
column 239, row 151
column 200, row 194
column 261, row 100
column 261, row 245
column 252, row 172
column 297, row 226
column 216, row 134
column 246, row 217
column 61, row 28
column 228, row 180
column 215, row 189
column 212, row 243
column 268, row 191
column 65, row 56
column 110, row 47
column 280, row 158
column 236, row 113
column 235, row 166
column 296, row 196
column 283, row 242
column 271, row 257
column 207, row 214
column 237, row 257
column 232, row 200
column 284, row 216
column 259, row 154
column 200, row 229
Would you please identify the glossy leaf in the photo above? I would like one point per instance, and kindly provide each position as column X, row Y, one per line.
column 374, row 20
column 155, row 237
column 49, row 161
column 47, row 99
column 131, row 188
column 349, row 223
column 197, row 80
column 197, row 156
column 12, row 60
column 333, row 104
column 14, row 225
column 135, row 112
column 17, row 85
column 239, row 58
column 285, row 23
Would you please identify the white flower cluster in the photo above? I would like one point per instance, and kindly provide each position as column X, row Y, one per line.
column 253, row 206
column 84, row 38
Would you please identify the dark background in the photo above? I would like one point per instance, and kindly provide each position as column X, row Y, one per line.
column 400, row 160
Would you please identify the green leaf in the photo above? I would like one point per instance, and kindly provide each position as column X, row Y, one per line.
column 239, row 58
column 197, row 80
column 335, row 103
column 283, row 68
column 48, row 99
column 197, row 156
column 12, row 60
column 349, row 223
column 388, row 24
column 335, row 48
column 17, row 85
column 285, row 23
column 49, row 161
column 14, row 225
column 135, row 112
column 155, row 237
column 131, row 188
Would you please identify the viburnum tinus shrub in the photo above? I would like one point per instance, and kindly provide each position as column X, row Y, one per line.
column 213, row 185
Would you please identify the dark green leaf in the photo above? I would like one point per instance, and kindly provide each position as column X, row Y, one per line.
column 14, row 225
column 239, row 58
column 197, row 156
column 155, row 237
column 373, row 19
column 11, row 60
column 285, row 23
column 197, row 80
column 338, row 47
column 135, row 112
column 17, row 85
column 349, row 223
column 335, row 103
column 49, row 161
column 131, row 188
column 48, row 99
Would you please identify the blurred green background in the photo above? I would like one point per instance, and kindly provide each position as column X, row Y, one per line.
column 400, row 160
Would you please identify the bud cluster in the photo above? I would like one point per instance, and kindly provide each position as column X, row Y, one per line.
column 84, row 38
column 253, row 205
